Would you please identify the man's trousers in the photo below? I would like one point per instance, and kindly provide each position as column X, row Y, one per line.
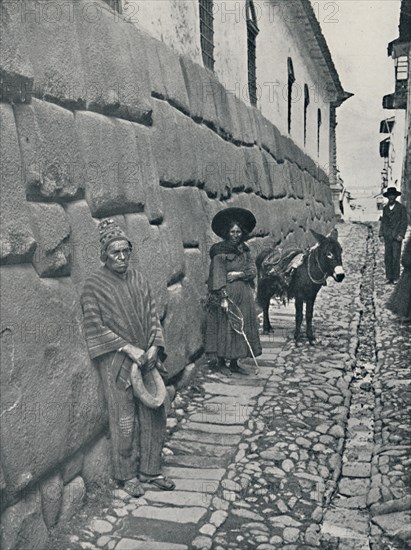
column 137, row 432
column 392, row 258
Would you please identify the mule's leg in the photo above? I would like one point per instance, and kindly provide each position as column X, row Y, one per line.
column 266, row 320
column 298, row 318
column 309, row 311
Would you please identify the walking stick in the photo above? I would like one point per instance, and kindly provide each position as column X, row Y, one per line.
column 236, row 320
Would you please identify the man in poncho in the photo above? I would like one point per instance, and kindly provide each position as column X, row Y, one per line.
column 122, row 328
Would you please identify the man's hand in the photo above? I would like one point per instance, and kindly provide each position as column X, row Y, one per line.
column 224, row 305
column 234, row 275
column 381, row 238
column 136, row 354
column 399, row 238
column 152, row 356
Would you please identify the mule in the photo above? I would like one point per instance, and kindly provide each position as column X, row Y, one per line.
column 301, row 283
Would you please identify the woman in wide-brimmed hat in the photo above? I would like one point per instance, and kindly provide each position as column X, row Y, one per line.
column 230, row 283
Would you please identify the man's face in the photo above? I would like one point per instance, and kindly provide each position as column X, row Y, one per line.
column 391, row 199
column 118, row 256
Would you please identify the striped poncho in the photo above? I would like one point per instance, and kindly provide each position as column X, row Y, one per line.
column 120, row 310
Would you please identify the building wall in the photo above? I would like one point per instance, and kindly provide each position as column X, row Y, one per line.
column 396, row 152
column 104, row 120
column 406, row 172
column 277, row 40
column 174, row 22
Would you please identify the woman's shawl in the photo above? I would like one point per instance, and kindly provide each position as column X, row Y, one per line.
column 219, row 253
column 225, row 247
column 118, row 311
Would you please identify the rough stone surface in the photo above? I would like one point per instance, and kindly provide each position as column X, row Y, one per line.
column 22, row 525
column 97, row 463
column 51, row 499
column 17, row 243
column 73, row 498
column 114, row 182
column 52, row 233
column 51, row 410
column 53, row 165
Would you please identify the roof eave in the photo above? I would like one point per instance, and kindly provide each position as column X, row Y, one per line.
column 341, row 94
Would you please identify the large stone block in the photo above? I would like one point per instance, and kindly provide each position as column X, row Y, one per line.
column 213, row 164
column 188, row 134
column 51, row 499
column 166, row 144
column 278, row 175
column 296, row 187
column 269, row 137
column 73, row 499
column 223, row 111
column 97, row 468
column 53, row 166
column 292, row 152
column 113, row 173
column 149, row 256
column 114, row 63
column 145, row 159
column 50, row 33
column 52, row 232
column 17, row 242
column 50, row 392
column 245, row 130
column 84, row 244
column 172, row 250
column 194, row 291
column 323, row 176
column 72, row 467
column 256, row 174
column 310, row 166
column 279, row 217
column 185, row 207
column 166, row 74
column 16, row 72
column 175, row 330
column 200, row 89
column 22, row 525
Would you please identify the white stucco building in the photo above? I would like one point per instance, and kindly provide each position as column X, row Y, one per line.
column 270, row 53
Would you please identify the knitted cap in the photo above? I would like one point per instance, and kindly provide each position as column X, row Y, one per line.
column 110, row 231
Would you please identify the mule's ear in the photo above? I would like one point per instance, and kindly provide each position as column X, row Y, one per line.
column 334, row 234
column 320, row 238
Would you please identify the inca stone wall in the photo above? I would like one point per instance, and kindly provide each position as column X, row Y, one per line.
column 98, row 119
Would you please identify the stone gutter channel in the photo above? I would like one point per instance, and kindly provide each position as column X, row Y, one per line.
column 363, row 510
column 347, row 520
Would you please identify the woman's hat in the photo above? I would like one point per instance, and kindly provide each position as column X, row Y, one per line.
column 391, row 191
column 245, row 219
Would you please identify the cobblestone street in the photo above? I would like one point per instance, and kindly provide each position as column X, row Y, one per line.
column 311, row 451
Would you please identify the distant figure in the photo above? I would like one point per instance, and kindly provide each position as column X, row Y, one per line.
column 400, row 300
column 230, row 283
column 392, row 231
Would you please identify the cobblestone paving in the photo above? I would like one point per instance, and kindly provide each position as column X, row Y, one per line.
column 311, row 451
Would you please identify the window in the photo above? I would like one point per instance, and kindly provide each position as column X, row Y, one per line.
column 318, row 131
column 252, row 31
column 291, row 80
column 207, row 32
column 306, row 103
column 402, row 68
